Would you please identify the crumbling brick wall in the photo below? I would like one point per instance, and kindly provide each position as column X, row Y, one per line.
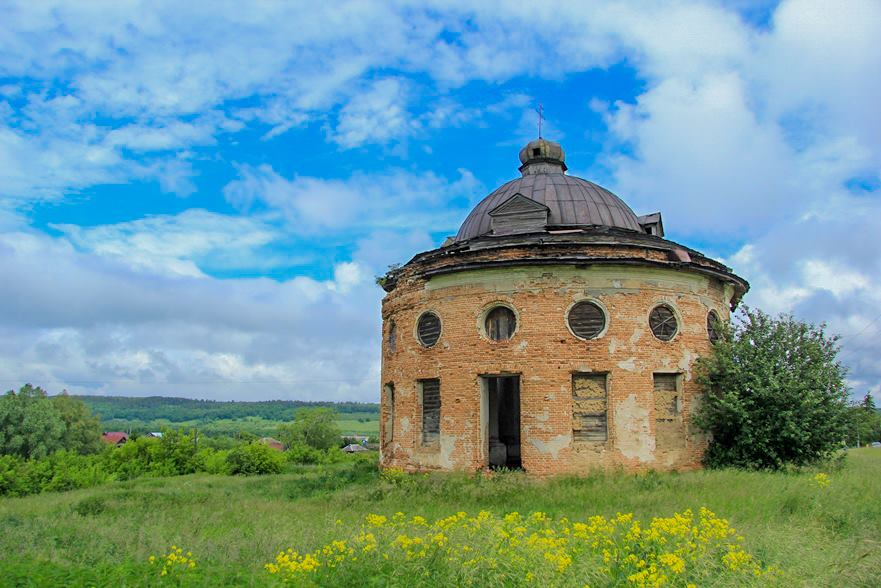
column 642, row 431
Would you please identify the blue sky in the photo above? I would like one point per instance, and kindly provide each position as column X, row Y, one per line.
column 194, row 199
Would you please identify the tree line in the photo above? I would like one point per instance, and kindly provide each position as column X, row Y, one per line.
column 54, row 443
column 178, row 410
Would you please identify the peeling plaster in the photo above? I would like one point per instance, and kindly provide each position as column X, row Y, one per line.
column 613, row 346
column 685, row 363
column 523, row 345
column 633, row 431
column 629, row 364
column 447, row 447
column 636, row 336
column 405, row 424
column 553, row 446
column 543, row 417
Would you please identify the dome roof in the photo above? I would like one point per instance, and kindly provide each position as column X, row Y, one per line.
column 570, row 201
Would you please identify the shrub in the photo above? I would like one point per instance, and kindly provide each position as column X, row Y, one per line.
column 254, row 458
column 213, row 462
column 775, row 394
column 300, row 453
column 90, row 506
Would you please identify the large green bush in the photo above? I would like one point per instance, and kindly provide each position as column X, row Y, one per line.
column 254, row 458
column 775, row 394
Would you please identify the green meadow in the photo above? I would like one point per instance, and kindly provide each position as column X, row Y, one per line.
column 233, row 526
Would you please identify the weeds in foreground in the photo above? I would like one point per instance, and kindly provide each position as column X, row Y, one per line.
column 532, row 550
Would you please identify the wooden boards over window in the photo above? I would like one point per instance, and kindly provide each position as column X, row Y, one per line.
column 431, row 404
column 589, row 407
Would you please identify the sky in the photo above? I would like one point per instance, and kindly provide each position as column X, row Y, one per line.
column 196, row 197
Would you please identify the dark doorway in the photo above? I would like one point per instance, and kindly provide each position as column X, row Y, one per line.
column 503, row 423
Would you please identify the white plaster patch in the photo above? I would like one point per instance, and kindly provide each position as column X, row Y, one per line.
column 636, row 336
column 633, row 431
column 628, row 364
column 447, row 447
column 616, row 283
column 405, row 424
column 685, row 363
column 552, row 446
column 523, row 345
column 543, row 417
column 613, row 346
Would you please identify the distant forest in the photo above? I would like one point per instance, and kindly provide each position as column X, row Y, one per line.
column 177, row 410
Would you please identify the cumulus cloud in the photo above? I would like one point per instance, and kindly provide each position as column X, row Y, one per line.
column 758, row 140
column 183, row 244
column 95, row 323
column 357, row 204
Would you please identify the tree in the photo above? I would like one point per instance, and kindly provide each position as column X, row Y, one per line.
column 315, row 427
column 30, row 424
column 82, row 429
column 775, row 394
column 865, row 422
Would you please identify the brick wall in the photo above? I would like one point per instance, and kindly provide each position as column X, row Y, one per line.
column 545, row 354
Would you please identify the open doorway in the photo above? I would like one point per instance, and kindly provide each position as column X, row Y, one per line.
column 503, row 421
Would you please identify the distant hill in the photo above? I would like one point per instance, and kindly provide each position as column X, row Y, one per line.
column 177, row 410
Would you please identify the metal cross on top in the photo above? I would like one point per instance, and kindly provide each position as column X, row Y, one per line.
column 540, row 110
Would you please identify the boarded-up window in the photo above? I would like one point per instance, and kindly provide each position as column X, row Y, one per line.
column 388, row 413
column 431, row 403
column 586, row 319
column 667, row 403
column 589, row 407
column 501, row 322
column 428, row 329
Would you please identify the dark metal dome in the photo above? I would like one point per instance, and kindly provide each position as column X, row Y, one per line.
column 570, row 201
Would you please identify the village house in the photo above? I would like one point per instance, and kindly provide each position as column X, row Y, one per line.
column 556, row 332
column 115, row 437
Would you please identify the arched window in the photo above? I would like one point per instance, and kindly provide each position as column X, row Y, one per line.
column 428, row 329
column 713, row 324
column 501, row 322
column 586, row 319
column 663, row 322
column 392, row 337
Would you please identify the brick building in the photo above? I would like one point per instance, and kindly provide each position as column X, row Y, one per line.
column 556, row 332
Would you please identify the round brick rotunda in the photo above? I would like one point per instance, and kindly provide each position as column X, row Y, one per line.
column 556, row 332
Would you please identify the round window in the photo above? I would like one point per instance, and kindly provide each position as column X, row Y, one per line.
column 586, row 319
column 501, row 322
column 713, row 324
column 428, row 329
column 663, row 323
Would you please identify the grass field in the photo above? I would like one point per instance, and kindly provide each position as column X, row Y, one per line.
column 817, row 536
column 353, row 423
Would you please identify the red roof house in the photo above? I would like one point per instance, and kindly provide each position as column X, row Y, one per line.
column 115, row 437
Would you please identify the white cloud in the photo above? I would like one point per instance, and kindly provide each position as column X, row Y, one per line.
column 179, row 244
column 375, row 115
column 93, row 324
column 742, row 134
column 358, row 204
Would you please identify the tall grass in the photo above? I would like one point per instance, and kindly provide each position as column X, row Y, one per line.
column 100, row 536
